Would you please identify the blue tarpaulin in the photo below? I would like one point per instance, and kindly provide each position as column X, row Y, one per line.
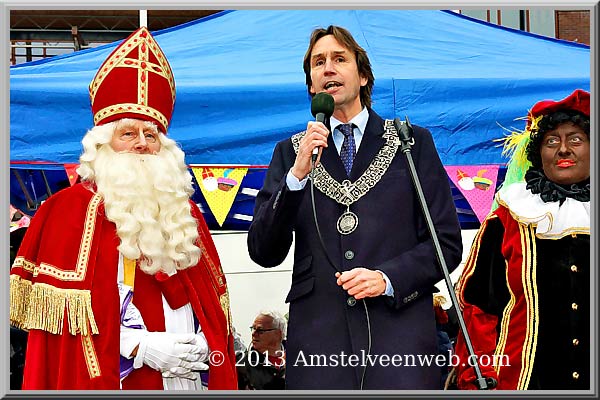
column 241, row 88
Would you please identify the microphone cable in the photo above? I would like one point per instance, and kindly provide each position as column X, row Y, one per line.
column 314, row 209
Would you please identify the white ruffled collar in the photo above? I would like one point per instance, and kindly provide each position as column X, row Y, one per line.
column 553, row 221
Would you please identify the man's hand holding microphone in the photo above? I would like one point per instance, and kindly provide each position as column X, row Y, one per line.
column 315, row 139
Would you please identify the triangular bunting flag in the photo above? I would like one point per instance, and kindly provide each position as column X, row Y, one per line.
column 219, row 187
column 72, row 173
column 478, row 184
column 18, row 219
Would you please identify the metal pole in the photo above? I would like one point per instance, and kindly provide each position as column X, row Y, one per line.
column 405, row 133
column 144, row 18
column 48, row 190
column 30, row 203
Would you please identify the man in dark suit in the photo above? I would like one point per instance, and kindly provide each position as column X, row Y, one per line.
column 371, row 324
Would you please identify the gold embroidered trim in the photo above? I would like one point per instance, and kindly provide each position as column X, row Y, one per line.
column 529, row 280
column 47, row 305
column 224, row 300
column 574, row 230
column 146, row 42
column 502, row 338
column 27, row 265
column 84, row 249
column 470, row 263
column 142, row 75
column 534, row 221
column 41, row 306
column 20, row 290
column 521, row 219
column 122, row 108
column 218, row 279
column 217, row 272
column 348, row 192
column 91, row 359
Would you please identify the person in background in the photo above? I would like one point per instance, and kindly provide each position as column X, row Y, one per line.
column 262, row 366
column 376, row 296
column 525, row 288
column 126, row 238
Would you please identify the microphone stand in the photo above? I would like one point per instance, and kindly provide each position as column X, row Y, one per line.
column 405, row 131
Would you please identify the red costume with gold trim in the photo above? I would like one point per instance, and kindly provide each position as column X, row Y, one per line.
column 524, row 291
column 63, row 290
column 135, row 81
column 63, row 283
column 519, row 325
column 529, row 263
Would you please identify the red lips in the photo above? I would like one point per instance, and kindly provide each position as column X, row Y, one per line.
column 565, row 163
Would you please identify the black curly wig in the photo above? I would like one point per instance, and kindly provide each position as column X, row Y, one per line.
column 550, row 122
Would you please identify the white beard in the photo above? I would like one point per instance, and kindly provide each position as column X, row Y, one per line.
column 146, row 196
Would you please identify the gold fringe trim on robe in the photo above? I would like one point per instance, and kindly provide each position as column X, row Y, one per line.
column 42, row 306
column 20, row 289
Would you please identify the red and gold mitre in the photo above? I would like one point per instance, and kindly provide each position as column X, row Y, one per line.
column 135, row 81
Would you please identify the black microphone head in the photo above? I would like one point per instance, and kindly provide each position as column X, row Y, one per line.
column 322, row 103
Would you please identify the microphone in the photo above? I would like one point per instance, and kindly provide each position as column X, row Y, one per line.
column 321, row 107
column 405, row 133
column 405, row 130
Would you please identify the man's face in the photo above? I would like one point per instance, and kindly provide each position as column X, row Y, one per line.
column 565, row 154
column 333, row 69
column 264, row 337
column 136, row 136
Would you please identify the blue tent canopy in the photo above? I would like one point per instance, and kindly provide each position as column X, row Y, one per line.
column 240, row 84
column 241, row 88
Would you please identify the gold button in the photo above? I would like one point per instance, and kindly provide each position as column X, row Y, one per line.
column 575, row 375
column 575, row 342
column 574, row 268
column 574, row 306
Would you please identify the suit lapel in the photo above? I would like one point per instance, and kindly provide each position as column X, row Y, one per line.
column 371, row 143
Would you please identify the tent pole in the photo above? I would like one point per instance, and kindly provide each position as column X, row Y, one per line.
column 30, row 203
column 144, row 18
column 48, row 190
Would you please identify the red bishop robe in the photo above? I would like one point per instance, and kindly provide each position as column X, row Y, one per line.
column 63, row 289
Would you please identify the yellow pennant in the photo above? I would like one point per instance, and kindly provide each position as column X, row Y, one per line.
column 219, row 187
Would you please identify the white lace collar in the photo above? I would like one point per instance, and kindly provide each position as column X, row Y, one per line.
column 552, row 221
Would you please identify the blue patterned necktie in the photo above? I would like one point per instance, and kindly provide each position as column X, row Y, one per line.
column 348, row 150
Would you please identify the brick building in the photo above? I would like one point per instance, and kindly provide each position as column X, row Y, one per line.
column 572, row 25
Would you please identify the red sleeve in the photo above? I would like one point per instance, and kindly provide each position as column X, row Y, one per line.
column 482, row 332
column 211, row 304
column 483, row 295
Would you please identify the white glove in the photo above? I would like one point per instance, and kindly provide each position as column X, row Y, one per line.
column 162, row 351
column 181, row 372
column 195, row 359
column 200, row 352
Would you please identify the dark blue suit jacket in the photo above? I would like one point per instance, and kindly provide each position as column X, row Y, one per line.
column 325, row 329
